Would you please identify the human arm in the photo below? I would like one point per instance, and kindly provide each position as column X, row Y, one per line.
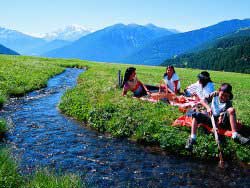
column 207, row 100
column 124, row 92
column 220, row 119
column 167, row 87
column 175, row 83
column 125, row 89
column 205, row 104
column 145, row 88
column 176, row 86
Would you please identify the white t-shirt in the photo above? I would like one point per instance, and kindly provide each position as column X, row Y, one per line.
column 201, row 92
column 170, row 83
column 217, row 106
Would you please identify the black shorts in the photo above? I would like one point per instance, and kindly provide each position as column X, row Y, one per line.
column 206, row 119
column 202, row 118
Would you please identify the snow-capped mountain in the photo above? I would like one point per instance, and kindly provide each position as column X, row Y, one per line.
column 110, row 44
column 68, row 33
column 18, row 41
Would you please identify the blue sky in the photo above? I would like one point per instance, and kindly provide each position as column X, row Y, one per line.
column 41, row 16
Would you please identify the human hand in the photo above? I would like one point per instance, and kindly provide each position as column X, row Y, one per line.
column 195, row 94
column 220, row 120
column 148, row 92
column 209, row 111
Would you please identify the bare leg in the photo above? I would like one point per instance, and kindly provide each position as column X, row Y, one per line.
column 235, row 135
column 192, row 139
column 232, row 119
column 194, row 126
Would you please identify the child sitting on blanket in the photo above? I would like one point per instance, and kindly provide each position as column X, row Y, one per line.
column 171, row 80
column 222, row 110
column 131, row 83
column 202, row 88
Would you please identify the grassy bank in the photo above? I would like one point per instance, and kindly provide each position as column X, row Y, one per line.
column 97, row 101
column 10, row 178
column 19, row 75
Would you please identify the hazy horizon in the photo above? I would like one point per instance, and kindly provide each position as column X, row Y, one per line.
column 44, row 16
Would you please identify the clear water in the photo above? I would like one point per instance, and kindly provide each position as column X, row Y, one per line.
column 40, row 136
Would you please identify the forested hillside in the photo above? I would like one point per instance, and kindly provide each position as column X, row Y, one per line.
column 227, row 54
column 160, row 49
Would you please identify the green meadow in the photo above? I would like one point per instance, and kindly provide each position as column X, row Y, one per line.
column 96, row 101
column 19, row 75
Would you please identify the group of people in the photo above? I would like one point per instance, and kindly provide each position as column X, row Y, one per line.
column 217, row 103
column 201, row 89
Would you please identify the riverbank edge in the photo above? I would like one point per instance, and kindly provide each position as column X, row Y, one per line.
column 105, row 111
column 9, row 173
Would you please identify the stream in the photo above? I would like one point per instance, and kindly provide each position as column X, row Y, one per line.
column 41, row 137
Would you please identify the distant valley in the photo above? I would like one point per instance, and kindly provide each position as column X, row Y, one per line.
column 135, row 44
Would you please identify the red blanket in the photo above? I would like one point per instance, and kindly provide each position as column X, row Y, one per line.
column 187, row 121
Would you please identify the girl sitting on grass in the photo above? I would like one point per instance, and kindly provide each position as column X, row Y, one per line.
column 171, row 80
column 202, row 88
column 131, row 83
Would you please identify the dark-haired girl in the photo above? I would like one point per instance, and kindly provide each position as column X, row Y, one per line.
column 202, row 88
column 131, row 83
column 172, row 81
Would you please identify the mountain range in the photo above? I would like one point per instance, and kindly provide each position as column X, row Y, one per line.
column 19, row 42
column 30, row 45
column 111, row 44
column 68, row 33
column 227, row 53
column 132, row 43
column 166, row 47
column 147, row 45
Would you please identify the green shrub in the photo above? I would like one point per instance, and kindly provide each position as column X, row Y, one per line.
column 3, row 126
column 9, row 177
column 46, row 179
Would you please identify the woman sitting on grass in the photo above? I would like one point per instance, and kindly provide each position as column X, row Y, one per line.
column 223, row 112
column 171, row 80
column 131, row 83
column 202, row 88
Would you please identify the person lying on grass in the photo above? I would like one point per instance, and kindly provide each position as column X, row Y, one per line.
column 202, row 88
column 171, row 80
column 222, row 110
column 131, row 83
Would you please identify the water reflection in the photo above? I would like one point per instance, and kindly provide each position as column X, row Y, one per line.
column 42, row 137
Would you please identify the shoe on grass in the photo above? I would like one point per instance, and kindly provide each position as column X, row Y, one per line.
column 241, row 139
column 189, row 144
